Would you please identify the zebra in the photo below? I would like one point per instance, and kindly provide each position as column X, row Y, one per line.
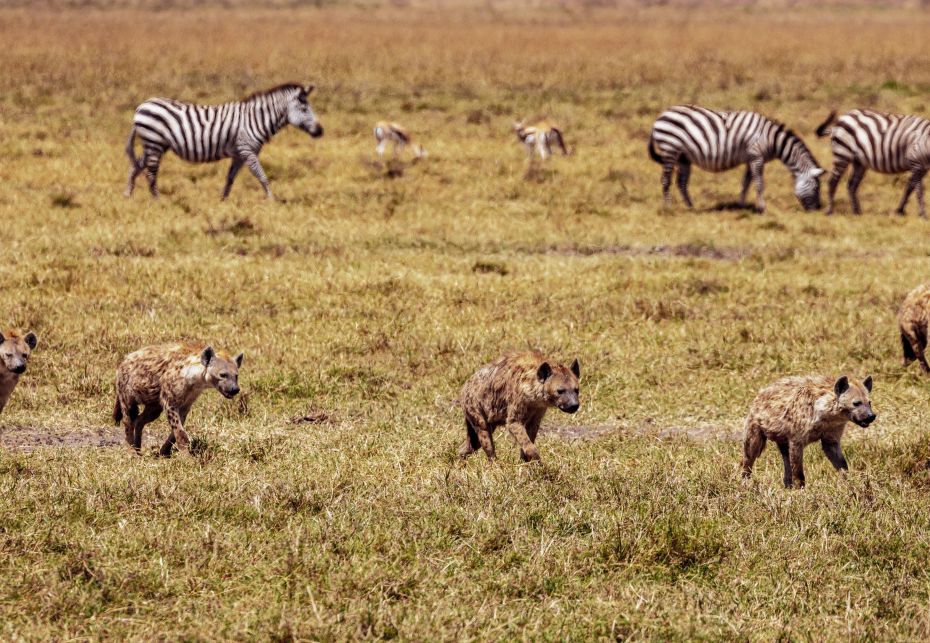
column 886, row 143
column 539, row 138
column 718, row 141
column 206, row 133
column 399, row 136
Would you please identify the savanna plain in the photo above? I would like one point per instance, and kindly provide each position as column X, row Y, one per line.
column 327, row 501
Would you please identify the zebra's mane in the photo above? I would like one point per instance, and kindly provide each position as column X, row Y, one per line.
column 285, row 87
column 791, row 136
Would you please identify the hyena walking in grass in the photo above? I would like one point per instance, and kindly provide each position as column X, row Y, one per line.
column 169, row 377
column 398, row 136
column 797, row 411
column 15, row 348
column 515, row 391
column 538, row 138
column 913, row 319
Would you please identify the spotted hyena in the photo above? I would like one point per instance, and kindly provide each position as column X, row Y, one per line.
column 913, row 318
column 796, row 411
column 169, row 377
column 515, row 391
column 15, row 348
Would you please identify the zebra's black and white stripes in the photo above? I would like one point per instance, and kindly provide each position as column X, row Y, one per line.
column 205, row 133
column 718, row 141
column 886, row 143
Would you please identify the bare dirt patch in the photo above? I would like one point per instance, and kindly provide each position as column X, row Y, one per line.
column 29, row 438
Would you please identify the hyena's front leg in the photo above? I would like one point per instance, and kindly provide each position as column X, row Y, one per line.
column 796, row 458
column 528, row 451
column 485, row 437
column 786, row 461
column 178, row 435
column 834, row 453
column 149, row 414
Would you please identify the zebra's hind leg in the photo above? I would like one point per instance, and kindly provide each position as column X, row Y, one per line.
column 151, row 162
column 668, row 166
column 134, row 172
column 839, row 168
column 915, row 181
column 684, row 173
column 920, row 197
column 234, row 168
column 858, row 172
column 756, row 166
column 747, row 179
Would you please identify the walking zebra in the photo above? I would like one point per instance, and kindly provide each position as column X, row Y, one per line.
column 539, row 138
column 205, row 133
column 399, row 137
column 718, row 141
column 886, row 143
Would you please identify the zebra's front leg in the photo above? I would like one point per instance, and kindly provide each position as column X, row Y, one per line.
column 858, row 172
column 251, row 159
column 234, row 168
column 684, row 173
column 747, row 179
column 914, row 182
column 756, row 166
column 839, row 168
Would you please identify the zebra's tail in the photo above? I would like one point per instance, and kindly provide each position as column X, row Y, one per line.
column 825, row 128
column 131, row 148
column 652, row 152
column 419, row 151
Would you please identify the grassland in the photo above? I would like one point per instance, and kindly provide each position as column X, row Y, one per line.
column 326, row 502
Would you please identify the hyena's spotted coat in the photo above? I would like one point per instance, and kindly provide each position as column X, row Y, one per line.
column 797, row 411
column 913, row 319
column 515, row 391
column 15, row 348
column 169, row 377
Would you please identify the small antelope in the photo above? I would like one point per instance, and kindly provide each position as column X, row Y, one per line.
column 387, row 132
column 539, row 137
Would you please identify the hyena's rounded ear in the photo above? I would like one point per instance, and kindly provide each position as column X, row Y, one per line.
column 238, row 359
column 544, row 371
column 2, row 338
column 207, row 355
column 576, row 368
column 841, row 386
column 867, row 383
column 32, row 340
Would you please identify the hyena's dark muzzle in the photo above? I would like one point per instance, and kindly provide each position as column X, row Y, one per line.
column 864, row 418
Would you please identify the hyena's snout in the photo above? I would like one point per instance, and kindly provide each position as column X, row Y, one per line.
column 569, row 403
column 19, row 367
column 229, row 389
column 865, row 417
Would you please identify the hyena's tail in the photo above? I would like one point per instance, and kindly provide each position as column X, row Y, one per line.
column 117, row 412
column 131, row 148
column 472, row 436
column 825, row 127
column 909, row 354
column 652, row 152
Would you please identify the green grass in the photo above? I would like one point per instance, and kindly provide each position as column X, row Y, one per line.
column 364, row 301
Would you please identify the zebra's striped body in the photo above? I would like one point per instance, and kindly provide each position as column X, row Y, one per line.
column 206, row 133
column 539, row 138
column 886, row 143
column 399, row 136
column 718, row 141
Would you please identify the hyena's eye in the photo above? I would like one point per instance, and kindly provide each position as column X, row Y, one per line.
column 561, row 391
column 857, row 403
column 576, row 391
column 223, row 376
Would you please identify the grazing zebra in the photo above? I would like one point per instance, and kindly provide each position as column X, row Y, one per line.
column 205, row 133
column 539, row 138
column 399, row 136
column 887, row 143
column 718, row 141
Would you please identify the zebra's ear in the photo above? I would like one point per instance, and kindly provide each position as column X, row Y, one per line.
column 309, row 89
column 817, row 171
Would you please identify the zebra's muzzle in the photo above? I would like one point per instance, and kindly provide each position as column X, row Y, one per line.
column 315, row 130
